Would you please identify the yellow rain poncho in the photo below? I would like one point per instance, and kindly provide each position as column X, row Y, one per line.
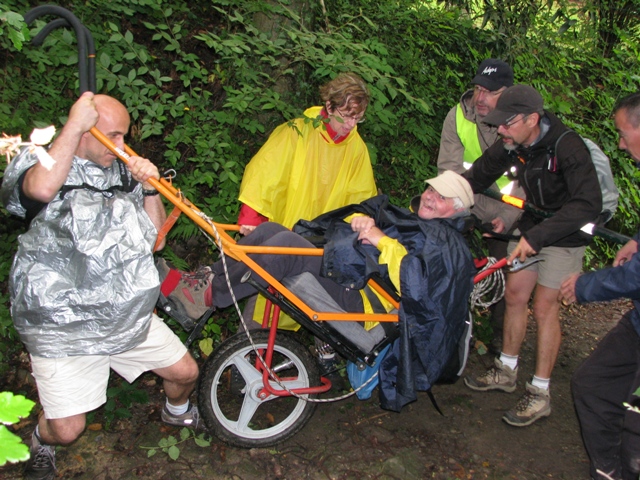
column 300, row 173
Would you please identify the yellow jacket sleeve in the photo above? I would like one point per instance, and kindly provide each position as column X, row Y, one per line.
column 391, row 253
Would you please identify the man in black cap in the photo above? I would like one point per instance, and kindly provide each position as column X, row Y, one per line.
column 565, row 183
column 464, row 138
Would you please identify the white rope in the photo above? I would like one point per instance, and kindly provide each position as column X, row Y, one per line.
column 490, row 289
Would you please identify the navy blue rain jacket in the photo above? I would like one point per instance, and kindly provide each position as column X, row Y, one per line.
column 436, row 280
column 615, row 282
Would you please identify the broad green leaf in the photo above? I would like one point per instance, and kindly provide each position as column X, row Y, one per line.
column 201, row 441
column 13, row 450
column 173, row 452
column 105, row 61
column 206, row 346
column 14, row 407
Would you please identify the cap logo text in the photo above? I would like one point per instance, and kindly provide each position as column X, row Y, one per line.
column 489, row 70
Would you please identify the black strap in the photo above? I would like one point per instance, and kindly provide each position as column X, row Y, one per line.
column 433, row 402
column 375, row 302
column 107, row 193
column 128, row 184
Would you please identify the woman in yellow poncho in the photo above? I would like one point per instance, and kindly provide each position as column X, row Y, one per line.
column 310, row 165
column 313, row 164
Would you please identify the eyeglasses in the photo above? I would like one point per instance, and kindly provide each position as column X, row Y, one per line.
column 351, row 118
column 478, row 90
column 507, row 126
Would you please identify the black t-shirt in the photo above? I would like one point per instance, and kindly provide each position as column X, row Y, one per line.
column 32, row 206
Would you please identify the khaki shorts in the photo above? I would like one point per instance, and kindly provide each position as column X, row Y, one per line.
column 74, row 385
column 557, row 264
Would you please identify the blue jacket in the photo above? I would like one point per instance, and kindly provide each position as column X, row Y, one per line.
column 614, row 282
column 436, row 279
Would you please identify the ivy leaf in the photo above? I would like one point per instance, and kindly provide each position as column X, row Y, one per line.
column 206, row 346
column 13, row 450
column 200, row 441
column 173, row 452
column 105, row 61
column 13, row 408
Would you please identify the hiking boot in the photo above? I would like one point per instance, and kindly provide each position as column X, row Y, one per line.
column 532, row 406
column 42, row 463
column 498, row 377
column 188, row 294
column 189, row 419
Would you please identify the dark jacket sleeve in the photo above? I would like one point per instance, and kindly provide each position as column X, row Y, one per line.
column 488, row 168
column 611, row 283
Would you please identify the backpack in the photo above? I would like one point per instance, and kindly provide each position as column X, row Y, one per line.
column 605, row 176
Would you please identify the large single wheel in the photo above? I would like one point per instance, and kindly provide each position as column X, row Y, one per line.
column 230, row 382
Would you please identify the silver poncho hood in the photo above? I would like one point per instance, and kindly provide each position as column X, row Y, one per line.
column 83, row 281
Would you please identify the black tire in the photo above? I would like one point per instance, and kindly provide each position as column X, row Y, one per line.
column 229, row 382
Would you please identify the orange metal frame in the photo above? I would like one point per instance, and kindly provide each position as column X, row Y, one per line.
column 220, row 233
column 241, row 252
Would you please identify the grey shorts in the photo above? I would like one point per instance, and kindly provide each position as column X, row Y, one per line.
column 74, row 385
column 557, row 264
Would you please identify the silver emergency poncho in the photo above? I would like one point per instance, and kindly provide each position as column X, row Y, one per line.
column 83, row 281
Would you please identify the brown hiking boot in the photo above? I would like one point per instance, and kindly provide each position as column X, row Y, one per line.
column 498, row 377
column 188, row 292
column 532, row 406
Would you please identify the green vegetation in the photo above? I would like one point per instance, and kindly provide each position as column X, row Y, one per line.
column 12, row 409
column 207, row 81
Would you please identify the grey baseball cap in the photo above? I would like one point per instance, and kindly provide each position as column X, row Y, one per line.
column 513, row 101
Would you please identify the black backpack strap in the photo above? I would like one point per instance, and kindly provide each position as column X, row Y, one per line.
column 552, row 164
column 108, row 192
column 128, row 183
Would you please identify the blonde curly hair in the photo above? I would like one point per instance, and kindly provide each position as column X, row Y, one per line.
column 347, row 92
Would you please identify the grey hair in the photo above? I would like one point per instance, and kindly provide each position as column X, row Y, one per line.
column 461, row 210
column 457, row 203
column 631, row 105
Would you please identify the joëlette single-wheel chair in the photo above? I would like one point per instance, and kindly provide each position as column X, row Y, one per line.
column 260, row 389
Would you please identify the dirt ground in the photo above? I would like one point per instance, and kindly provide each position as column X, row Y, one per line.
column 353, row 439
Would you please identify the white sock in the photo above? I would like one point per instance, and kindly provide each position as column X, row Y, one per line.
column 510, row 361
column 177, row 409
column 541, row 382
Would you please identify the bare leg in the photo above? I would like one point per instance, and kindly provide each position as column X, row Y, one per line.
column 518, row 291
column 546, row 313
column 179, row 379
column 61, row 431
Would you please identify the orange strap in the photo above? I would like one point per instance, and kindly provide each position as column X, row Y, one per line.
column 168, row 225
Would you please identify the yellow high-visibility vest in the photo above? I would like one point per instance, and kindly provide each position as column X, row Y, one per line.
column 468, row 133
